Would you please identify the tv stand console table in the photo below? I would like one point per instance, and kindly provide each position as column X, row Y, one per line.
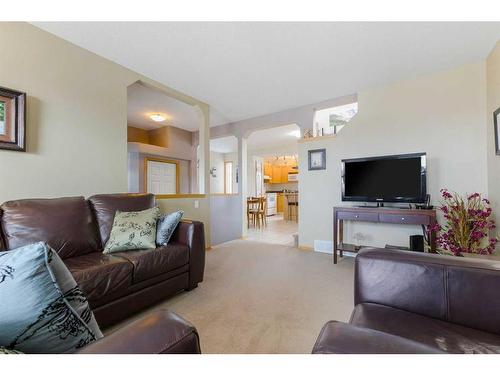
column 376, row 215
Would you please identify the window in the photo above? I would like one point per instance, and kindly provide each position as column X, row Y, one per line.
column 228, row 177
column 332, row 120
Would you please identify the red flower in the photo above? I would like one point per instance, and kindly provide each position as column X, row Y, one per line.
column 445, row 194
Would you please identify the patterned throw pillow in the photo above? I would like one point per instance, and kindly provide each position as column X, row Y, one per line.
column 7, row 351
column 42, row 309
column 165, row 227
column 133, row 230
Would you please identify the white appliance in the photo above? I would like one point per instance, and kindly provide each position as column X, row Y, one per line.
column 272, row 208
column 293, row 177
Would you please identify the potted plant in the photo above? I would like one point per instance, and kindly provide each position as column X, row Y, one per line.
column 467, row 227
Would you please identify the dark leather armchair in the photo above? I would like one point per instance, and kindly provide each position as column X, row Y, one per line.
column 161, row 332
column 419, row 303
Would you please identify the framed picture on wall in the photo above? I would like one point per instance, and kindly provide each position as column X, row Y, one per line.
column 317, row 159
column 496, row 122
column 12, row 120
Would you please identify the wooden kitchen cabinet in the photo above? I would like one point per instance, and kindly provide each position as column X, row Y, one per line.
column 289, row 169
column 278, row 174
column 268, row 169
column 276, row 177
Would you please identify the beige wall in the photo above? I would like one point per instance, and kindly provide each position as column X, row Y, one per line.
column 233, row 157
column 442, row 114
column 76, row 120
column 217, row 183
column 190, row 212
column 76, row 117
column 493, row 103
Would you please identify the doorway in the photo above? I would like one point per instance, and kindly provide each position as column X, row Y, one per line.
column 273, row 175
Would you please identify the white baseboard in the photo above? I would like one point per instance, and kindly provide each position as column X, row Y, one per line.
column 322, row 246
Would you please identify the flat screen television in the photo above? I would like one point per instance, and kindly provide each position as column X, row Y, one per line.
column 393, row 178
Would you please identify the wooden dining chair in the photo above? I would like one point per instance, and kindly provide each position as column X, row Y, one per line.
column 253, row 205
column 261, row 215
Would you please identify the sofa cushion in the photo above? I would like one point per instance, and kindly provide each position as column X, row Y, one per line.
column 442, row 335
column 43, row 310
column 151, row 263
column 165, row 227
column 100, row 275
column 105, row 206
column 342, row 338
column 65, row 224
column 133, row 231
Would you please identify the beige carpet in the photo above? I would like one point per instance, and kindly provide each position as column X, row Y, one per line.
column 265, row 298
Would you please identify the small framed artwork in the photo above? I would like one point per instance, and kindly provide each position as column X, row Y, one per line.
column 12, row 120
column 317, row 159
column 496, row 122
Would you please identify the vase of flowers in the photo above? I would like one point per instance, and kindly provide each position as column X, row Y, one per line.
column 467, row 227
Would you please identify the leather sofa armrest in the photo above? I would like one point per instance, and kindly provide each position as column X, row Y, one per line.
column 343, row 338
column 161, row 332
column 192, row 234
column 436, row 286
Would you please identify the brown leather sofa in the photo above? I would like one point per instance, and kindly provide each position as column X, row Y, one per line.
column 409, row 302
column 119, row 284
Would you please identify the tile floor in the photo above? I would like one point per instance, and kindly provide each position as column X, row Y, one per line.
column 277, row 231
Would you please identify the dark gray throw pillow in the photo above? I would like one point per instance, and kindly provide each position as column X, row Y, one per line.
column 43, row 309
column 165, row 227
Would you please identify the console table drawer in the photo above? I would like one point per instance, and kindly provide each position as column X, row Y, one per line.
column 362, row 216
column 404, row 219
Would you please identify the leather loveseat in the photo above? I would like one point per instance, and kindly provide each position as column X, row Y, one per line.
column 409, row 302
column 116, row 285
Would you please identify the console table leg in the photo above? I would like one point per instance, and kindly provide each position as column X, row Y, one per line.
column 335, row 232
column 341, row 235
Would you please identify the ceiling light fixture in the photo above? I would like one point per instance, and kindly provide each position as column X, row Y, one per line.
column 157, row 117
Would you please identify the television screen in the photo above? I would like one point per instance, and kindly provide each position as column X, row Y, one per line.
column 398, row 178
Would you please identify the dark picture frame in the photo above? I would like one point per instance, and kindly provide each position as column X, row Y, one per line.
column 496, row 122
column 316, row 159
column 12, row 120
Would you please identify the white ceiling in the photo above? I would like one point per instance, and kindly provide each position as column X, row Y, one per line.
column 248, row 69
column 280, row 137
column 143, row 101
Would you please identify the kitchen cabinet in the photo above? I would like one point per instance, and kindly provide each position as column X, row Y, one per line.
column 278, row 174
column 268, row 169
column 276, row 177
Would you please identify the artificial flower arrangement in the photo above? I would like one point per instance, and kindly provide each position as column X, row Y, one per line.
column 468, row 225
